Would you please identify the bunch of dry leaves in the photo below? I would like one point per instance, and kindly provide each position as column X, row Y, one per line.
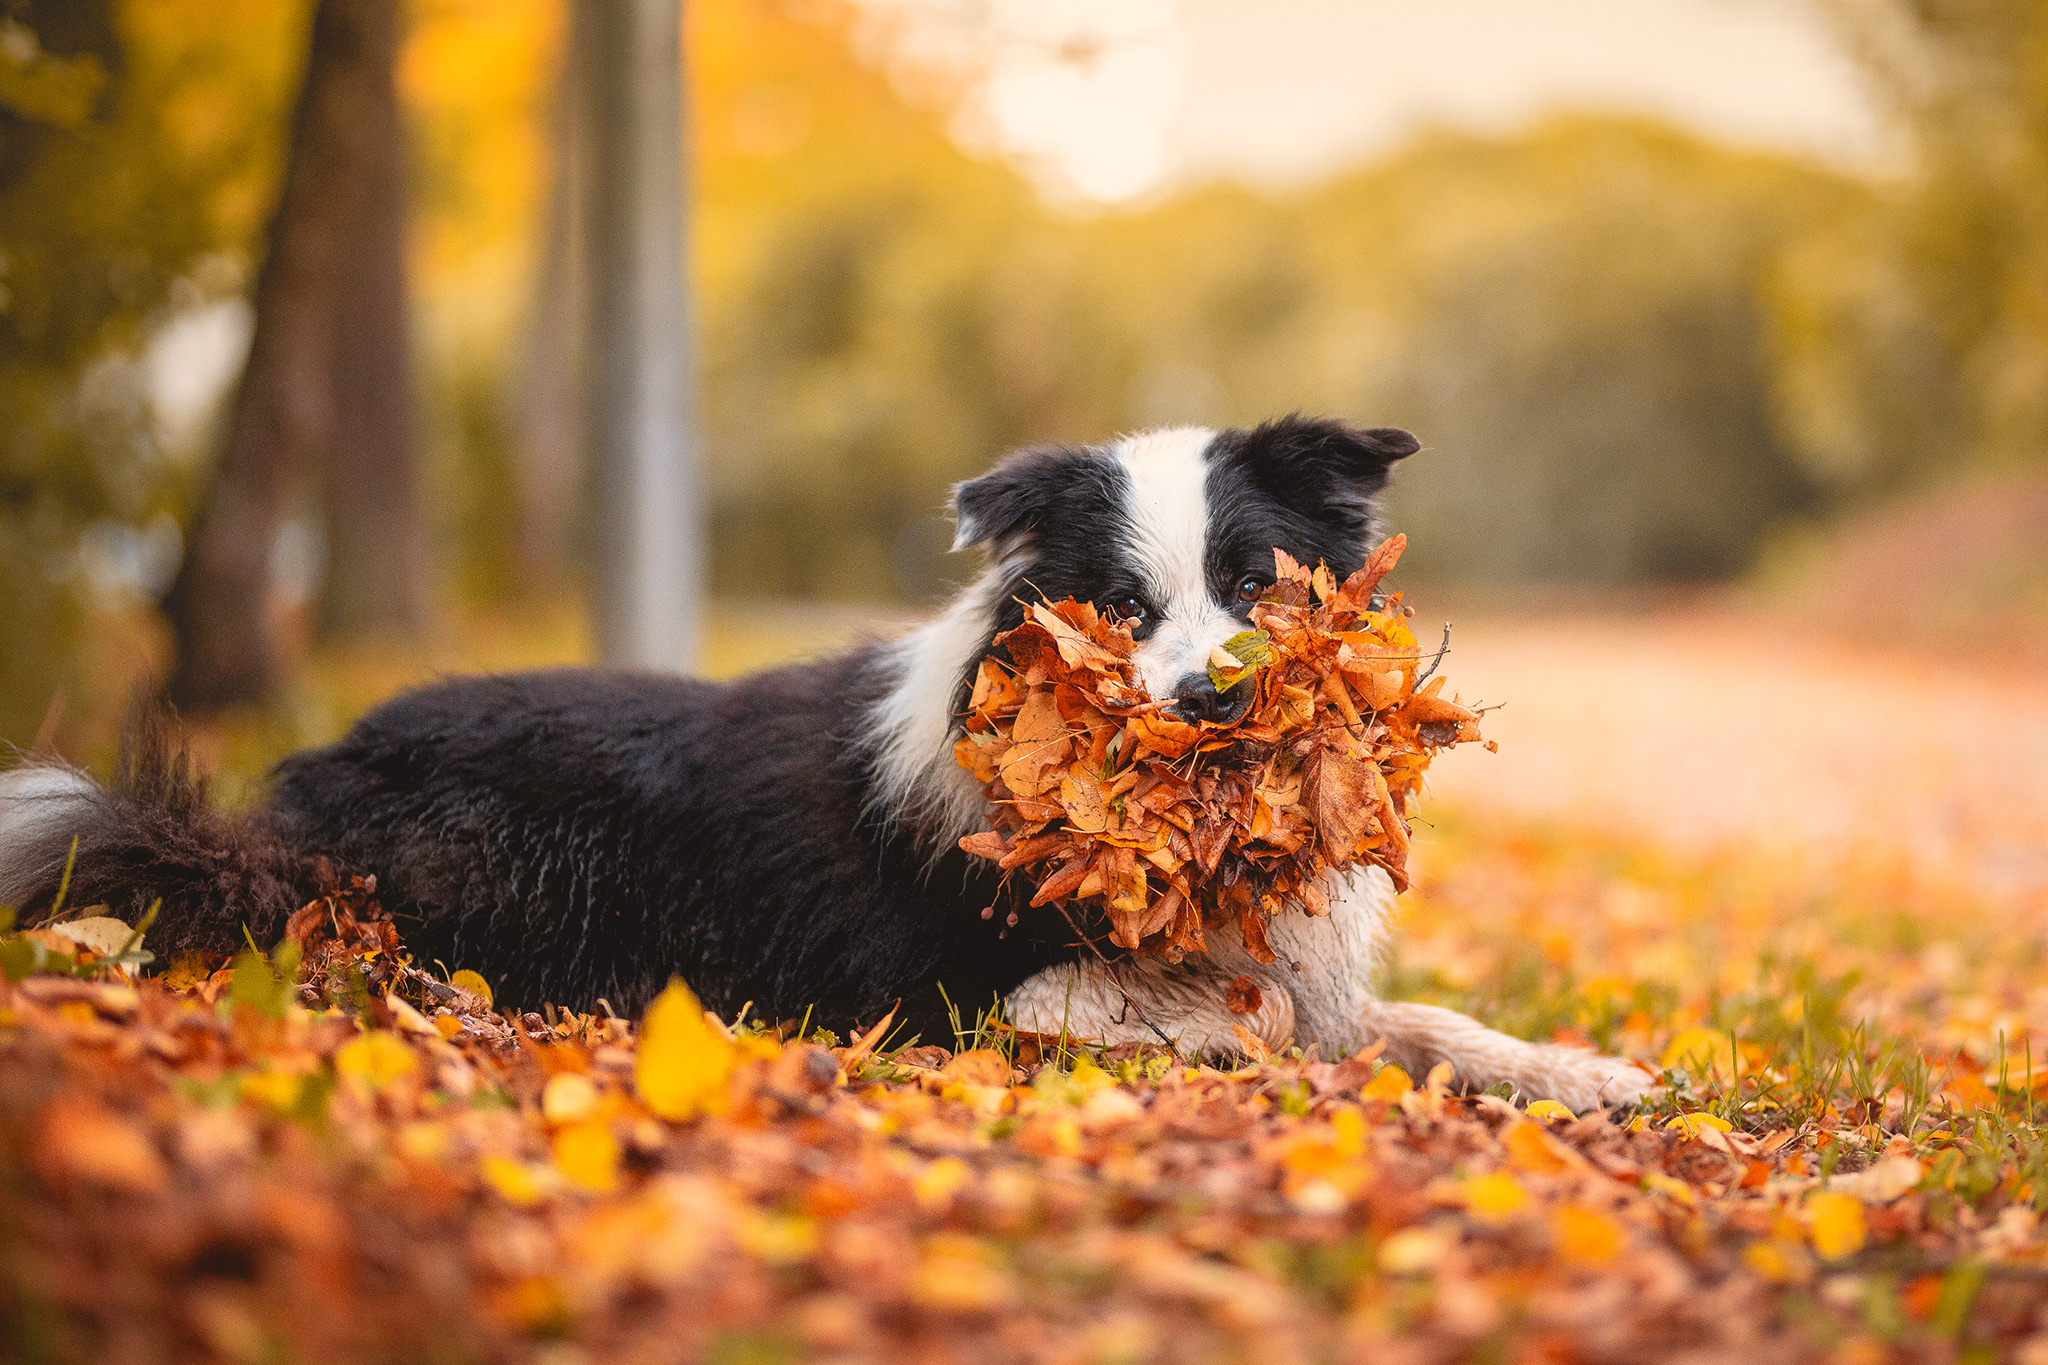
column 1103, row 797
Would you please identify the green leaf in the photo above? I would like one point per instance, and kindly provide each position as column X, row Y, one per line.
column 267, row 985
column 1252, row 648
column 22, row 956
column 19, row 956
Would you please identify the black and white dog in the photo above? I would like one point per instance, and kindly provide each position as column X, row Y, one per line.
column 789, row 839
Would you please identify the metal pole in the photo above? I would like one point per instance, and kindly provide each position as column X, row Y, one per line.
column 646, row 536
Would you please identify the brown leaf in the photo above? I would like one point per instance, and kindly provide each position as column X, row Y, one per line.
column 1254, row 923
column 1081, row 798
column 1356, row 594
column 1337, row 791
column 987, row 844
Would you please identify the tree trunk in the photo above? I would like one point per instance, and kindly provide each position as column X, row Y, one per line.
column 637, row 372
column 376, row 544
column 551, row 463
column 284, row 427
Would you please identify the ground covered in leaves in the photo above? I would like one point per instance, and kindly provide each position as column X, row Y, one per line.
column 332, row 1154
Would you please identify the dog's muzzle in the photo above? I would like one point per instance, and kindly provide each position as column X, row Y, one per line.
column 1195, row 698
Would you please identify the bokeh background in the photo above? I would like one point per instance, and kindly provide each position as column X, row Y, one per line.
column 1724, row 322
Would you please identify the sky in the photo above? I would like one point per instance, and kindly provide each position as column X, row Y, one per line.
column 1120, row 100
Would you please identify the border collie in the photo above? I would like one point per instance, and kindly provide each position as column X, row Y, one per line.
column 789, row 839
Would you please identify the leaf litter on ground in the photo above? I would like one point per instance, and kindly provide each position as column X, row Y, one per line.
column 327, row 1152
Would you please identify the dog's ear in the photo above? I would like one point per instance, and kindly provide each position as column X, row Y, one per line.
column 1315, row 461
column 1012, row 501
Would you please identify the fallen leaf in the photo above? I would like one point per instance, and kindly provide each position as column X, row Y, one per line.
column 1496, row 1197
column 1836, row 1224
column 374, row 1061
column 683, row 1062
column 1242, row 996
column 1584, row 1235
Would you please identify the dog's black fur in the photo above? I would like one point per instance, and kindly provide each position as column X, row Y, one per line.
column 581, row 834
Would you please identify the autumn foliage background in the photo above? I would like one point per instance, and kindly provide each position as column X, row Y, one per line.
column 1735, row 485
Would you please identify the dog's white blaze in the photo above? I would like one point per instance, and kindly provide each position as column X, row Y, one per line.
column 1167, row 522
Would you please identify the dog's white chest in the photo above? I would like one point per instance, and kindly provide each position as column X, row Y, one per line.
column 1314, row 994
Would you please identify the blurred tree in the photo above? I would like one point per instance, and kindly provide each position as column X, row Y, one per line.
column 1924, row 327
column 1590, row 354
column 326, row 391
column 852, row 264
column 135, row 143
column 1575, row 318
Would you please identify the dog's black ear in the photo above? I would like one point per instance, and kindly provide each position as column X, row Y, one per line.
column 1316, row 460
column 1012, row 500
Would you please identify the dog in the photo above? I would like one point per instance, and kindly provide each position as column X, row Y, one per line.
column 787, row 842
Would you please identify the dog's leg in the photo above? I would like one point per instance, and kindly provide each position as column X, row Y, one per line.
column 1185, row 1003
column 1419, row 1037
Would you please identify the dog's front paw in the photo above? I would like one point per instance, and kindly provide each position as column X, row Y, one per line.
column 1585, row 1081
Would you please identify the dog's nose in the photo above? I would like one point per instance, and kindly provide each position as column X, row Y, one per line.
column 1196, row 698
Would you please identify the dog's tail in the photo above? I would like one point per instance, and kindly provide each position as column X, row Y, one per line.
column 152, row 836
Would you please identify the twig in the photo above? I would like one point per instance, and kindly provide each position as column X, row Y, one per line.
column 1441, row 650
column 1110, row 967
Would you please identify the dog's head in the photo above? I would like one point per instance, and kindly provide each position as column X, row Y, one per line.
column 1174, row 531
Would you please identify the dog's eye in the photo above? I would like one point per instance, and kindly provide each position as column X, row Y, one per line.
column 1129, row 608
column 1249, row 590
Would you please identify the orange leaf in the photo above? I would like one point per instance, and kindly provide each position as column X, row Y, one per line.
column 1243, row 996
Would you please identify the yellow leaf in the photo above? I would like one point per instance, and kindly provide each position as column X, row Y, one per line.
column 1835, row 1222
column 1776, row 1260
column 587, row 1155
column 517, row 1183
column 569, row 1096
column 274, row 1090
column 374, row 1061
column 959, row 1274
column 935, row 1184
column 1549, row 1109
column 1495, row 1198
column 1348, row 1129
column 423, row 1140
column 467, row 980
column 683, row 1062
column 1391, row 1083
column 779, row 1239
column 1585, row 1235
column 1696, row 1048
column 1691, row 1124
column 1531, row 1149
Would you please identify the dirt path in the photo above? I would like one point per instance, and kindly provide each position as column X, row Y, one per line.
column 1703, row 728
